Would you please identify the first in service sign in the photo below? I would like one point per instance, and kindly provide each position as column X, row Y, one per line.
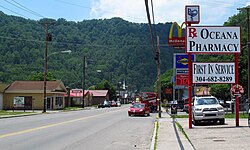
column 213, row 72
column 213, row 39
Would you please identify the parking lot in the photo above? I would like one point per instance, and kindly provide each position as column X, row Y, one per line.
column 215, row 136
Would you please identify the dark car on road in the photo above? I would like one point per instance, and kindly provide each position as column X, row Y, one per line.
column 104, row 104
column 139, row 109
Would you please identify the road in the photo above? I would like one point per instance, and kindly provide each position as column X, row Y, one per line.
column 95, row 129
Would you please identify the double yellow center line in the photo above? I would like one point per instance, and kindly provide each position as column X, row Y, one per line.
column 53, row 125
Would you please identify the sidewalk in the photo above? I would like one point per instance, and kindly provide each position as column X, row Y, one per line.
column 169, row 135
column 204, row 136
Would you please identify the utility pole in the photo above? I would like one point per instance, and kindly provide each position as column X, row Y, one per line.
column 83, row 80
column 158, row 75
column 48, row 38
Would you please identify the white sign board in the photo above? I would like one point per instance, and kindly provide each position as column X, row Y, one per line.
column 213, row 39
column 18, row 101
column 192, row 14
column 213, row 72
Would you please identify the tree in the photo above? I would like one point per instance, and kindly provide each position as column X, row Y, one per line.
column 39, row 76
column 220, row 91
column 106, row 85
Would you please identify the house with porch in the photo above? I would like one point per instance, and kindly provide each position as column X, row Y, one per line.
column 32, row 92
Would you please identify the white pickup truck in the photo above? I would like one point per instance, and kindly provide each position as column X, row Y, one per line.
column 207, row 108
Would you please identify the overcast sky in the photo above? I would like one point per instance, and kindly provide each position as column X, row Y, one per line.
column 213, row 12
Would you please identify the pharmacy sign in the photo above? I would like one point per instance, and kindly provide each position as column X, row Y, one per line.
column 213, row 39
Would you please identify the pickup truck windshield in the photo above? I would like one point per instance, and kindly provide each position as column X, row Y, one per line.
column 206, row 101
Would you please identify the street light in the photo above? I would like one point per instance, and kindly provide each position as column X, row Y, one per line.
column 67, row 51
column 45, row 72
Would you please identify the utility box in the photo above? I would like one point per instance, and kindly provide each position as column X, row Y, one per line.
column 174, row 109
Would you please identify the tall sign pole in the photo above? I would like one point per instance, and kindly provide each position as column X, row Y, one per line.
column 236, row 97
column 192, row 16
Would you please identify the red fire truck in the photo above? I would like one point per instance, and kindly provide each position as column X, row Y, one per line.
column 150, row 99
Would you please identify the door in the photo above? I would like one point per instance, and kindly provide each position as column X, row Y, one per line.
column 49, row 103
column 28, row 102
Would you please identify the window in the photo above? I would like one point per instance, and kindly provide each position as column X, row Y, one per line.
column 59, row 102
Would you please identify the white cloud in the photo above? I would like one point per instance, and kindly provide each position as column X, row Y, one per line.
column 212, row 12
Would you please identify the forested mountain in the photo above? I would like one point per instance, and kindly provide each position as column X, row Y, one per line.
column 120, row 49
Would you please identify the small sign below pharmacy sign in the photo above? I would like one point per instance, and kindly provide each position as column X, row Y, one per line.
column 213, row 39
column 221, row 72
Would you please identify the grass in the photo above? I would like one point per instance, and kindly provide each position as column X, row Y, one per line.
column 229, row 115
column 6, row 113
column 241, row 115
column 71, row 108
column 184, row 133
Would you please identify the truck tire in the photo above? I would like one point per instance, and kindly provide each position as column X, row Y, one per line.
column 222, row 121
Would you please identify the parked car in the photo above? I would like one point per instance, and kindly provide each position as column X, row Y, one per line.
column 207, row 108
column 139, row 109
column 185, row 108
column 113, row 104
column 104, row 104
column 118, row 103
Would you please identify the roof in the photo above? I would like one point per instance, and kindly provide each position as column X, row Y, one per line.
column 35, row 87
column 99, row 93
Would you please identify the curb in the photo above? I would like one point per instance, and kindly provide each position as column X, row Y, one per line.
column 153, row 142
column 23, row 115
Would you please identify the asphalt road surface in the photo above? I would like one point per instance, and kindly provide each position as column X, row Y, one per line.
column 95, row 129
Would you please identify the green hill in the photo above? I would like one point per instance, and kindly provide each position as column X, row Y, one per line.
column 120, row 49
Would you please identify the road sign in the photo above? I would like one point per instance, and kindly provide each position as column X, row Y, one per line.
column 237, row 89
column 213, row 39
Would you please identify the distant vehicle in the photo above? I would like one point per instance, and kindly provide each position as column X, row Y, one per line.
column 173, row 102
column 185, row 108
column 139, row 109
column 104, row 104
column 222, row 102
column 113, row 104
column 118, row 103
column 150, row 99
column 207, row 108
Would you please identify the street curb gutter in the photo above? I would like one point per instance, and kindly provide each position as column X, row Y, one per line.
column 12, row 116
column 153, row 142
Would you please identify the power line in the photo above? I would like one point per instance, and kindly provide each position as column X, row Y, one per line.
column 220, row 3
column 25, row 8
column 150, row 26
column 153, row 16
column 73, row 43
column 14, row 12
